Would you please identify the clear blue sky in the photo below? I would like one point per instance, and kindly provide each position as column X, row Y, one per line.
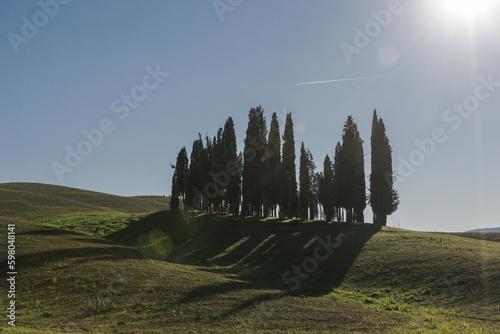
column 85, row 55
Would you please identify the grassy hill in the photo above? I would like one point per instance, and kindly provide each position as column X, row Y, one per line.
column 127, row 270
column 367, row 258
column 36, row 202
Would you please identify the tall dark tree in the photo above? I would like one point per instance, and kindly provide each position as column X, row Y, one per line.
column 273, row 154
column 174, row 197
column 313, row 185
column 285, row 202
column 232, row 192
column 326, row 189
column 337, row 183
column 195, row 180
column 384, row 199
column 350, row 175
column 289, row 198
column 216, row 156
column 179, row 180
column 304, row 184
column 239, row 179
column 360, row 181
column 314, row 199
column 181, row 171
column 255, row 164
column 308, row 185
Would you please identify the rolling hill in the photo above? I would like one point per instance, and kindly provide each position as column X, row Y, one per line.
column 41, row 202
column 486, row 230
column 120, row 264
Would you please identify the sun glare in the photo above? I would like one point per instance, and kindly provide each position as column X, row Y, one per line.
column 466, row 9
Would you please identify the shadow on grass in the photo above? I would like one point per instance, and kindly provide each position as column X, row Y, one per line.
column 262, row 254
column 59, row 245
column 221, row 289
column 298, row 258
column 83, row 254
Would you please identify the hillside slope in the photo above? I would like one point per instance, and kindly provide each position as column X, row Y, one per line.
column 70, row 283
column 160, row 272
column 363, row 256
column 37, row 202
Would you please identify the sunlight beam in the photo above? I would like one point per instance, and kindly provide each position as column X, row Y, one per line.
column 469, row 10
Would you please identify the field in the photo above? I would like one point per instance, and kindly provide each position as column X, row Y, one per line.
column 98, row 263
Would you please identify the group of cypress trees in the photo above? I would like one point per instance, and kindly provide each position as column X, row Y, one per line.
column 262, row 180
column 195, row 180
column 342, row 185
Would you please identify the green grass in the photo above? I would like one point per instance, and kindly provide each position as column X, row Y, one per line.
column 34, row 202
column 98, row 225
column 112, row 268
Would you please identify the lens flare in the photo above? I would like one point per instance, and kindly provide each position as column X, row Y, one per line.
column 155, row 245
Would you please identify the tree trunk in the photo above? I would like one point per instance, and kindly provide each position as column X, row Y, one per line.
column 383, row 219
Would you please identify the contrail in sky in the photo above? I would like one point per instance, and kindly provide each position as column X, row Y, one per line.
column 338, row 80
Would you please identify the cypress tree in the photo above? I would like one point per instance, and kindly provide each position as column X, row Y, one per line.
column 254, row 163
column 313, row 185
column 304, row 184
column 326, row 190
column 314, row 206
column 174, row 197
column 181, row 171
column 289, row 202
column 218, row 165
column 179, row 180
column 209, row 163
column 308, row 185
column 384, row 199
column 360, row 182
column 337, row 183
column 230, row 158
column 351, row 174
column 274, row 160
column 195, row 180
column 239, row 180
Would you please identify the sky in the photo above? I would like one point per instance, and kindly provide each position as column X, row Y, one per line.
column 101, row 95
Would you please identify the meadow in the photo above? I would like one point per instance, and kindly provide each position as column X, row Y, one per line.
column 99, row 263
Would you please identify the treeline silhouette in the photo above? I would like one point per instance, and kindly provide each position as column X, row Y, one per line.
column 261, row 180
